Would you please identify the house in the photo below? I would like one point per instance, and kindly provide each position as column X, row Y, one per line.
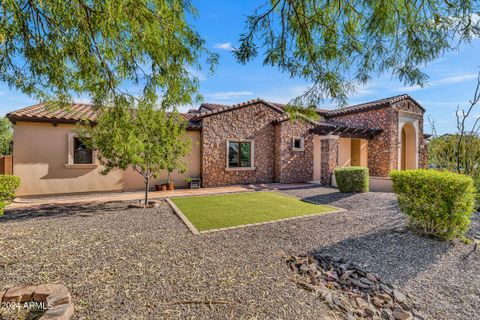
column 250, row 142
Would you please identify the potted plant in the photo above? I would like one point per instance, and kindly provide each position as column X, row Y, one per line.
column 170, row 185
column 193, row 183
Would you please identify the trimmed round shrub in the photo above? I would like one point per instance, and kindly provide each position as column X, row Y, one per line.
column 438, row 203
column 8, row 185
column 352, row 179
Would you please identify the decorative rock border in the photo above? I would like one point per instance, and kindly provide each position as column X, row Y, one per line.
column 55, row 298
column 351, row 291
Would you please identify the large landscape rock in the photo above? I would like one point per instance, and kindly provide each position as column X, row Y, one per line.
column 55, row 299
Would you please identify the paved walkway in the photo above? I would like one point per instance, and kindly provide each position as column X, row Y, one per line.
column 41, row 201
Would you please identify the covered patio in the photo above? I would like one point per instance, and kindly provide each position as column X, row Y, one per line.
column 341, row 146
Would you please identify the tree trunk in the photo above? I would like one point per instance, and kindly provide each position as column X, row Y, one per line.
column 147, row 185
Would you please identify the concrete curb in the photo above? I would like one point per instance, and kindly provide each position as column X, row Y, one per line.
column 182, row 216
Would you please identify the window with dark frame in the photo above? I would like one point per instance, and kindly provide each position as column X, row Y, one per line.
column 298, row 143
column 81, row 153
column 239, row 154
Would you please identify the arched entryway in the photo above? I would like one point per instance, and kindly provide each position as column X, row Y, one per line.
column 408, row 159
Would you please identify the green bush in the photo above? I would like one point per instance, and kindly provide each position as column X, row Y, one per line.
column 477, row 187
column 8, row 186
column 438, row 203
column 352, row 179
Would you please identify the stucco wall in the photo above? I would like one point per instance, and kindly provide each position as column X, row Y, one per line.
column 358, row 148
column 40, row 154
column 344, row 152
column 253, row 122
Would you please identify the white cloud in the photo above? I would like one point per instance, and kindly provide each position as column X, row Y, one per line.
column 443, row 81
column 410, row 88
column 456, row 79
column 225, row 95
column 225, row 46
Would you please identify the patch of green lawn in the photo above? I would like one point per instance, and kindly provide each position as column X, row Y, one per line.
column 229, row 210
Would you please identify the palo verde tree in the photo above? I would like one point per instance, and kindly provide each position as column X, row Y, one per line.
column 134, row 135
column 5, row 136
column 52, row 50
column 337, row 45
column 93, row 47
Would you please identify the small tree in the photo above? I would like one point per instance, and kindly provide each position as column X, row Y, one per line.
column 5, row 136
column 132, row 137
column 177, row 145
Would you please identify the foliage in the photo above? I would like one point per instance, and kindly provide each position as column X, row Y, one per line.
column 6, row 135
column 336, row 45
column 460, row 152
column 443, row 152
column 138, row 137
column 50, row 50
column 177, row 146
column 8, row 185
column 352, row 179
column 439, row 203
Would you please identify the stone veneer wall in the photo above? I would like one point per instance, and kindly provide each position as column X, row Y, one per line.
column 251, row 122
column 293, row 166
column 329, row 152
column 382, row 150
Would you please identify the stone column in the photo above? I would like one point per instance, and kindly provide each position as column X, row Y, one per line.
column 329, row 150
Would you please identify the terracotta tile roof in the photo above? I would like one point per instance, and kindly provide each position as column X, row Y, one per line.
column 212, row 106
column 40, row 112
column 70, row 115
column 372, row 105
column 225, row 108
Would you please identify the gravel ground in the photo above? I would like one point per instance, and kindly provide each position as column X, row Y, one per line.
column 144, row 263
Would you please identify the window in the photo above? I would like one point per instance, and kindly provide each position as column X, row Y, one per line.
column 298, row 144
column 81, row 153
column 240, row 154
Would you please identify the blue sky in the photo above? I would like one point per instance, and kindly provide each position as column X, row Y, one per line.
column 452, row 77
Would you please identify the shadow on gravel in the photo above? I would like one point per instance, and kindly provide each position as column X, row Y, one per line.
column 56, row 211
column 396, row 255
column 329, row 197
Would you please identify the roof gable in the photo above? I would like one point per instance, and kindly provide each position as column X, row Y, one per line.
column 372, row 105
column 238, row 106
